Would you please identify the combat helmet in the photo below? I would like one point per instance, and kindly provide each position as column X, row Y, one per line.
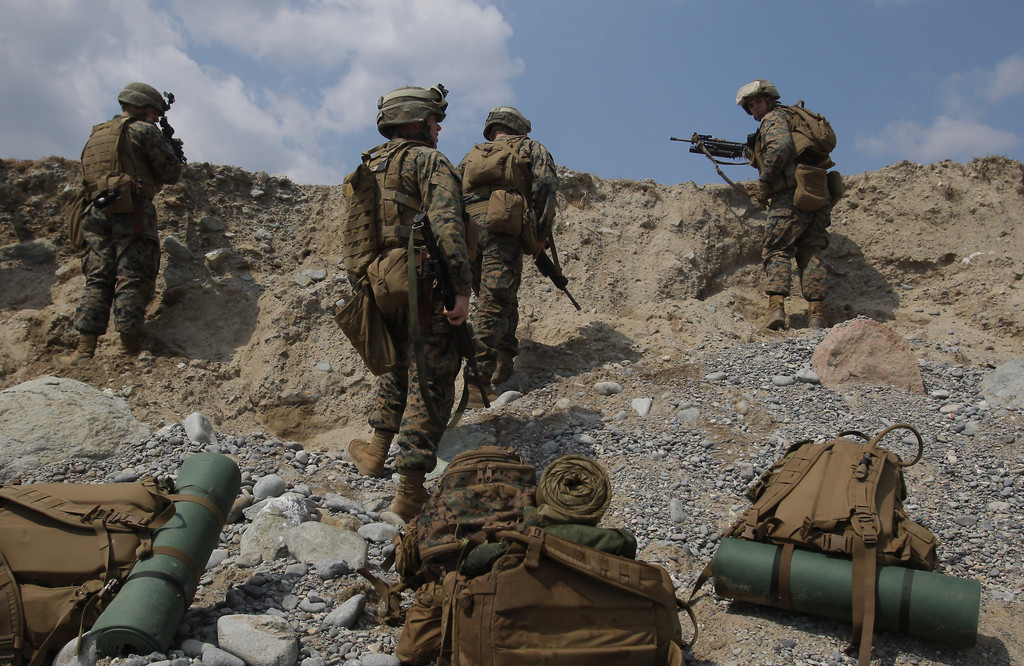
column 410, row 104
column 142, row 95
column 509, row 117
column 756, row 87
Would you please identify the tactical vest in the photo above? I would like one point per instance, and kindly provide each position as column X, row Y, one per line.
column 109, row 162
column 379, row 214
column 496, row 166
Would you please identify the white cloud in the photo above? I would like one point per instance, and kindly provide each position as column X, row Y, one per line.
column 960, row 132
column 265, row 85
column 947, row 138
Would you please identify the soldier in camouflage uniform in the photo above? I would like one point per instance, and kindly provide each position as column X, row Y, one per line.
column 122, row 257
column 500, row 254
column 791, row 233
column 410, row 118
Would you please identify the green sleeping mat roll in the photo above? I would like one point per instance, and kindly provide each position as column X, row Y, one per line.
column 146, row 612
column 919, row 603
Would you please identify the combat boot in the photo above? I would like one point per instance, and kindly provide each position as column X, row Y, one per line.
column 476, row 400
column 131, row 344
column 369, row 456
column 775, row 319
column 504, row 368
column 86, row 350
column 410, row 495
column 816, row 314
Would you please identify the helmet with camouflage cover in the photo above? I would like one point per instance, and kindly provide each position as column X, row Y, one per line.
column 509, row 117
column 410, row 104
column 142, row 95
column 754, row 88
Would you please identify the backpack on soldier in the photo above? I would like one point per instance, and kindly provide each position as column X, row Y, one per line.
column 65, row 551
column 812, row 133
column 497, row 180
column 549, row 600
column 842, row 498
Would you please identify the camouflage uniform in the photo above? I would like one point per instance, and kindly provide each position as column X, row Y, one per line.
column 426, row 175
column 500, row 263
column 791, row 233
column 122, row 256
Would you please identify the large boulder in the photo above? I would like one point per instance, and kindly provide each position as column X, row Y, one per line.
column 1004, row 386
column 52, row 419
column 863, row 351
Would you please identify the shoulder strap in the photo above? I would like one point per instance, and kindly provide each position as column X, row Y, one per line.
column 11, row 616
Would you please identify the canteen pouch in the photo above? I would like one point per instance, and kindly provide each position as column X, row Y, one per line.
column 836, row 187
column 363, row 324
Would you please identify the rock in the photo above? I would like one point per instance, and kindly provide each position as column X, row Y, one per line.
column 642, row 406
column 259, row 640
column 52, row 419
column 608, row 388
column 199, row 429
column 864, row 351
column 1004, row 386
column 311, row 542
column 347, row 613
column 271, row 485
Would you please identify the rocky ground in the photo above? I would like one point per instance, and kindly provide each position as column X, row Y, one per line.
column 668, row 277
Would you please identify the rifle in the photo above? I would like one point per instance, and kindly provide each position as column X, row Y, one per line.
column 548, row 270
column 437, row 267
column 732, row 150
column 712, row 148
column 168, row 131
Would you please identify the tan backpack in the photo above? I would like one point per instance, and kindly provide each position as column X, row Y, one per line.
column 66, row 549
column 497, row 180
column 842, row 498
column 549, row 600
column 812, row 133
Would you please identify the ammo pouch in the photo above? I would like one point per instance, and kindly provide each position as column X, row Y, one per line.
column 811, row 187
column 420, row 640
column 836, row 187
column 363, row 324
column 74, row 211
column 388, row 274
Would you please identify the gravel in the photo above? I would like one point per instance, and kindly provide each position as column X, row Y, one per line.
column 680, row 461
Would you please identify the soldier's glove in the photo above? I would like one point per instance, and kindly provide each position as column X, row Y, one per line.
column 759, row 193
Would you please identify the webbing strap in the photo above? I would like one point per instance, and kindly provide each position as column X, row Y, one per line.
column 782, row 568
column 11, row 622
column 863, row 589
column 181, row 556
column 205, row 503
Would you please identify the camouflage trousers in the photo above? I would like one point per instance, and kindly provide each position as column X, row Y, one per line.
column 790, row 234
column 120, row 268
column 400, row 406
column 496, row 316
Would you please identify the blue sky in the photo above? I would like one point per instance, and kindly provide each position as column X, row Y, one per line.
column 290, row 87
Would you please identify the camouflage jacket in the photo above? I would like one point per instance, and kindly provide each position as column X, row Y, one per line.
column 774, row 153
column 427, row 175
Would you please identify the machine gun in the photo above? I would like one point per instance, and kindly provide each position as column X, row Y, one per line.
column 437, row 266
column 168, row 131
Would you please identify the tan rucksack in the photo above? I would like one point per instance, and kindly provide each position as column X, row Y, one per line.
column 812, row 133
column 842, row 498
column 549, row 600
column 66, row 549
column 497, row 180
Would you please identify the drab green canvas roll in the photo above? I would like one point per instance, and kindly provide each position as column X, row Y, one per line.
column 919, row 603
column 146, row 612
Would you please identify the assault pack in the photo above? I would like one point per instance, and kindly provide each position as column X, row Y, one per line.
column 493, row 587
column 842, row 498
column 497, row 180
column 813, row 135
column 65, row 551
